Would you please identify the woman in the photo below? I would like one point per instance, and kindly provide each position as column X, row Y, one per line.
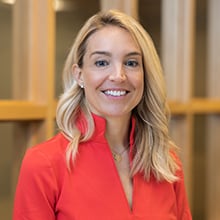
column 113, row 158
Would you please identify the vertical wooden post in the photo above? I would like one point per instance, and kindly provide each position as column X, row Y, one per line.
column 33, row 70
column 33, row 63
column 177, row 59
column 128, row 6
column 178, row 47
column 213, row 123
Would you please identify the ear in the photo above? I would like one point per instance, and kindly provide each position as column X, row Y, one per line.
column 77, row 74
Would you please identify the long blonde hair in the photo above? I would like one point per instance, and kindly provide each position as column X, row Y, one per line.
column 153, row 147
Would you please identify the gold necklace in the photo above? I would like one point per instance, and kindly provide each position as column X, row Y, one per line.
column 118, row 156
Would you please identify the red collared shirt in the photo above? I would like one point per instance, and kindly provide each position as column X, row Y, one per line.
column 47, row 190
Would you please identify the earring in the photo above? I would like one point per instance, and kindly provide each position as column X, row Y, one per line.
column 81, row 86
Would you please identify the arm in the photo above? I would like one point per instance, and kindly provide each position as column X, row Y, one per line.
column 36, row 189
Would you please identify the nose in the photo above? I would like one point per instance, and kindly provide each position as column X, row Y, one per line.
column 118, row 74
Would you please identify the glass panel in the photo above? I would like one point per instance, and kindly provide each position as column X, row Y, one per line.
column 177, row 122
column 150, row 18
column 199, row 167
column 5, row 50
column 14, row 138
column 70, row 16
column 200, row 48
column 6, row 161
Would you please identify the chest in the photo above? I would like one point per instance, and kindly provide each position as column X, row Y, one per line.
column 96, row 190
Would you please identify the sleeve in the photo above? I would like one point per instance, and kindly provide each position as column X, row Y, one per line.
column 181, row 196
column 36, row 188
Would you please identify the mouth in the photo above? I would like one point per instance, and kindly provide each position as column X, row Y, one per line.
column 115, row 93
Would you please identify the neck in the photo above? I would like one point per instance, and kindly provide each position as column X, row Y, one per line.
column 117, row 132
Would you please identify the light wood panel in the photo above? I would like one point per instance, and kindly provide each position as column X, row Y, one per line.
column 21, row 110
column 195, row 106
column 213, row 121
column 33, row 71
column 33, row 76
column 178, row 59
column 128, row 6
column 15, row 110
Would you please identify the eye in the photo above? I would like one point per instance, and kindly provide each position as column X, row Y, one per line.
column 101, row 63
column 131, row 63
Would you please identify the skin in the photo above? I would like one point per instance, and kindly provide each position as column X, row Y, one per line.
column 112, row 75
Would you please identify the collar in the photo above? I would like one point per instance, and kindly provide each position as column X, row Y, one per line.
column 100, row 128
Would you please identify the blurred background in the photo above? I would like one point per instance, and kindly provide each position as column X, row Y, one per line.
column 35, row 37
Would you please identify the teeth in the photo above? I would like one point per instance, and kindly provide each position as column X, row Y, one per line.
column 115, row 93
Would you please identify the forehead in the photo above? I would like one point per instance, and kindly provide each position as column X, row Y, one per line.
column 110, row 37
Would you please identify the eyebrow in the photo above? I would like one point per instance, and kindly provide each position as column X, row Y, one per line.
column 100, row 53
column 134, row 53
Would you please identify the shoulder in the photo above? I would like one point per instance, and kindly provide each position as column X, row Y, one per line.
column 48, row 155
column 49, row 149
column 40, row 180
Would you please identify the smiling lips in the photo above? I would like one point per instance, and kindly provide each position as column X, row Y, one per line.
column 115, row 93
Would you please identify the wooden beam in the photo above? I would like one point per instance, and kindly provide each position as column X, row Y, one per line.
column 213, row 122
column 195, row 106
column 33, row 76
column 177, row 59
column 21, row 110
column 34, row 52
column 205, row 106
column 15, row 110
column 178, row 47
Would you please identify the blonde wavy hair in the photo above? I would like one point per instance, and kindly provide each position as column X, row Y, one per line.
column 153, row 146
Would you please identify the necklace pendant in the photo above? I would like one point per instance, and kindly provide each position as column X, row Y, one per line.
column 117, row 157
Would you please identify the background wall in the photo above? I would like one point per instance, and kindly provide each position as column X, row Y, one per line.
column 38, row 83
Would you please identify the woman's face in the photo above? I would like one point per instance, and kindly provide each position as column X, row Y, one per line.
column 112, row 72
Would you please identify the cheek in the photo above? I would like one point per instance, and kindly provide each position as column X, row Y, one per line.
column 91, row 78
column 139, row 82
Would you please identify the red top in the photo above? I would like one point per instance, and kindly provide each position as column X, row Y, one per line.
column 46, row 190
